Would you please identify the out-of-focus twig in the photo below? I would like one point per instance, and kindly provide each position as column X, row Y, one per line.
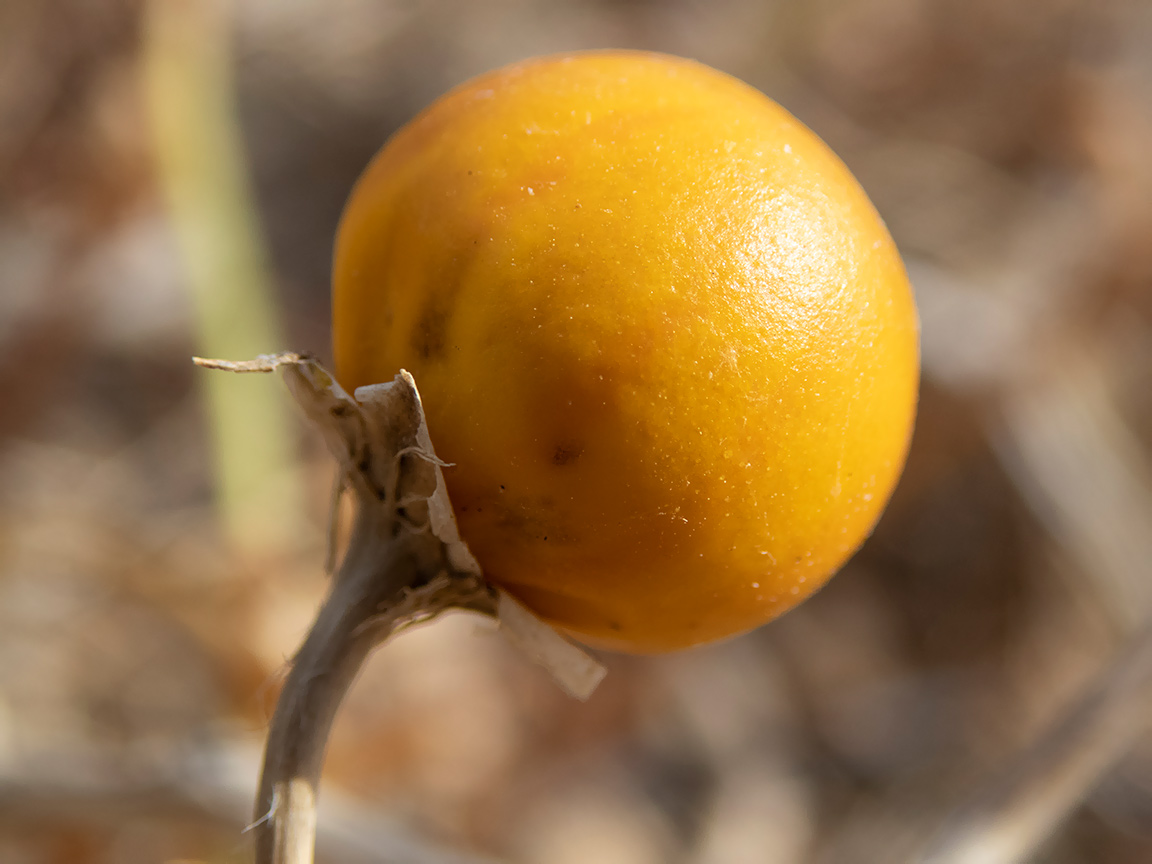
column 188, row 85
column 1086, row 477
column 1006, row 821
column 212, row 783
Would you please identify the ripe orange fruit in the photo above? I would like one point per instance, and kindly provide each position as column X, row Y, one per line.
column 658, row 328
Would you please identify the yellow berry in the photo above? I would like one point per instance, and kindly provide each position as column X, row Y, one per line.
column 658, row 328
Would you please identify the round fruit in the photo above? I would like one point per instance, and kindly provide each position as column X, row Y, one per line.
column 658, row 328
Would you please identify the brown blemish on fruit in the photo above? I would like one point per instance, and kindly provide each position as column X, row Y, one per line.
column 566, row 454
column 429, row 336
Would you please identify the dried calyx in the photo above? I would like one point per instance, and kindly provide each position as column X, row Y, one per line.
column 380, row 440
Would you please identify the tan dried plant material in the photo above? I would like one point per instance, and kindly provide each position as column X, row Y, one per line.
column 381, row 442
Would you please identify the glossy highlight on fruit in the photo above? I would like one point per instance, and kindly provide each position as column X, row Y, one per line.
column 658, row 328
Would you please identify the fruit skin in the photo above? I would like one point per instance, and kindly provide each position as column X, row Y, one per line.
column 658, row 328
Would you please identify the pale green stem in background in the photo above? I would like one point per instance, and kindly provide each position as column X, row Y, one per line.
column 188, row 87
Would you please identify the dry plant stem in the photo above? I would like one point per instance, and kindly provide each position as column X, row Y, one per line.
column 405, row 563
column 376, row 571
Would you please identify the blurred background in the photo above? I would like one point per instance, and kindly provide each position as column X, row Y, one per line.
column 171, row 174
